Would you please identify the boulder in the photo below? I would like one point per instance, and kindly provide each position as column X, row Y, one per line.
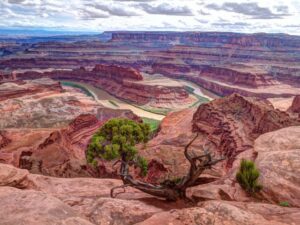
column 278, row 160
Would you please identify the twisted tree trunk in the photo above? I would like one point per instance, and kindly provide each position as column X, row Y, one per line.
column 169, row 190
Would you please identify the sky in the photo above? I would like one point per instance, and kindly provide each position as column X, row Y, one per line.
column 270, row 16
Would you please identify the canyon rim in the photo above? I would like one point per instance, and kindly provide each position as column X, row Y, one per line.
column 149, row 112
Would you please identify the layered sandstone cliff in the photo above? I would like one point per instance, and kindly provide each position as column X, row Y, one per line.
column 227, row 80
column 41, row 103
column 124, row 83
column 261, row 65
column 17, row 89
column 233, row 123
column 243, row 40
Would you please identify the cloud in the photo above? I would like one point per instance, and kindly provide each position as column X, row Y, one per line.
column 89, row 14
column 282, row 9
column 202, row 21
column 16, row 1
column 179, row 15
column 203, row 12
column 237, row 24
column 134, row 0
column 114, row 9
column 250, row 9
column 167, row 9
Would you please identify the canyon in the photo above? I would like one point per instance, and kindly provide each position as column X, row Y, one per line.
column 122, row 82
column 260, row 65
column 85, row 200
column 238, row 92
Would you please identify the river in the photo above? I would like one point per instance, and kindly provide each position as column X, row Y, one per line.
column 109, row 101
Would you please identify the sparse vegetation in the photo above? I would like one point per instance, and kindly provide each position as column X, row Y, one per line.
column 247, row 177
column 284, row 204
column 154, row 124
column 113, row 103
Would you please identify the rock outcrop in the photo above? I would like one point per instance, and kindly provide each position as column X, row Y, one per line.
column 117, row 73
column 295, row 108
column 227, row 126
column 276, row 155
column 18, row 89
column 233, row 123
column 278, row 160
column 166, row 149
column 41, row 103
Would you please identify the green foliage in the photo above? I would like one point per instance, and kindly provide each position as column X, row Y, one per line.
column 154, row 124
column 113, row 103
column 284, row 204
column 248, row 176
column 117, row 139
column 143, row 164
column 94, row 163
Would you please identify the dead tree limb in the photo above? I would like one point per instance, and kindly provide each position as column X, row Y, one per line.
column 169, row 189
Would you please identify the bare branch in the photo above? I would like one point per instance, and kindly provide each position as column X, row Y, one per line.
column 186, row 148
column 169, row 189
column 118, row 187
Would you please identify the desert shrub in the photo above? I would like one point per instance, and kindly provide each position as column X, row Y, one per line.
column 116, row 139
column 284, row 204
column 154, row 124
column 247, row 177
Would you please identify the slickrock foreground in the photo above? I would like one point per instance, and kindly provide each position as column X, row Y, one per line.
column 36, row 199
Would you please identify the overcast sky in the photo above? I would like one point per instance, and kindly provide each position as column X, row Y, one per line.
column 277, row 16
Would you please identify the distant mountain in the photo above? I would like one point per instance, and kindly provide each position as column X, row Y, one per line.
column 42, row 35
column 31, row 32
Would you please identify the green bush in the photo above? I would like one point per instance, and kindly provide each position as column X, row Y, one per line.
column 116, row 139
column 284, row 204
column 154, row 124
column 247, row 177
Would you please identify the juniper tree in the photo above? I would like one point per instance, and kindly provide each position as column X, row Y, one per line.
column 116, row 140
